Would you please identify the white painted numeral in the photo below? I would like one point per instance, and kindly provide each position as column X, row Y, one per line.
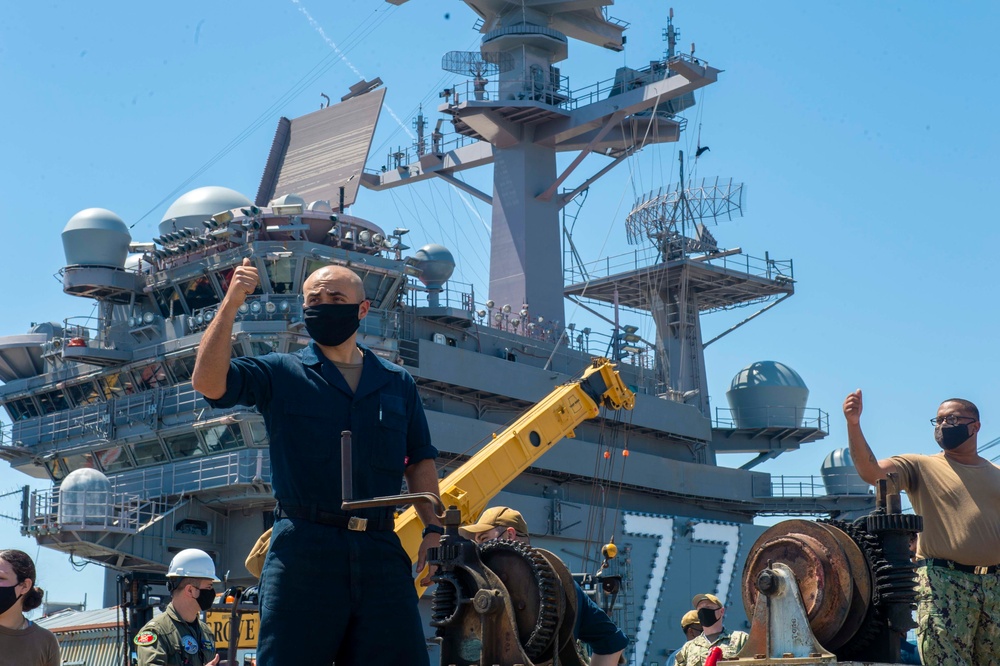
column 729, row 537
column 662, row 529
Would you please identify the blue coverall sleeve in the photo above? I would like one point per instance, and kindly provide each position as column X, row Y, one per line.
column 595, row 628
column 249, row 382
column 418, row 434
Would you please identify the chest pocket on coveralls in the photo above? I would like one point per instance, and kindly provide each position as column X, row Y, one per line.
column 311, row 433
column 390, row 454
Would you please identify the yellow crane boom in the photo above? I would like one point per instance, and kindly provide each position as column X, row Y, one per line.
column 482, row 477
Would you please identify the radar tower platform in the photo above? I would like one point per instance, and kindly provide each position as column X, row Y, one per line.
column 517, row 111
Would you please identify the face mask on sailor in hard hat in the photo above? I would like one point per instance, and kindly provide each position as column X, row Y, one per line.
column 330, row 324
column 206, row 598
column 951, row 437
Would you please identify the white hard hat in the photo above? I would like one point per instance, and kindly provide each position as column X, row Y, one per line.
column 192, row 563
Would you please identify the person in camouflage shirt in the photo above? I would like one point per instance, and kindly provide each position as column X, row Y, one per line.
column 710, row 613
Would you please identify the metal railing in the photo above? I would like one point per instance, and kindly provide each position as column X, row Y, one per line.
column 771, row 417
column 546, row 89
column 648, row 257
column 137, row 497
column 848, row 483
column 91, row 421
column 242, row 467
column 52, row 511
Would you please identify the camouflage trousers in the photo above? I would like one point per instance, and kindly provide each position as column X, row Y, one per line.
column 958, row 617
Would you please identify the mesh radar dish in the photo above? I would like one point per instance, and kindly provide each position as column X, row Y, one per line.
column 476, row 64
column 672, row 217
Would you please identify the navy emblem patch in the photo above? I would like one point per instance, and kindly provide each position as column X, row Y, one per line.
column 189, row 644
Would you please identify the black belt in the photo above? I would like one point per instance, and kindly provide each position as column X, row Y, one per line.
column 966, row 568
column 354, row 523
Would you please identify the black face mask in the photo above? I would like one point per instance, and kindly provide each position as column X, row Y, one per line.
column 206, row 598
column 706, row 616
column 331, row 324
column 8, row 597
column 951, row 437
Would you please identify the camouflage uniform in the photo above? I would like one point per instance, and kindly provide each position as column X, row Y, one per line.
column 958, row 614
column 167, row 640
column 694, row 652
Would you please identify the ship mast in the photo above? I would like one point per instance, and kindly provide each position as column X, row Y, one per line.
column 519, row 111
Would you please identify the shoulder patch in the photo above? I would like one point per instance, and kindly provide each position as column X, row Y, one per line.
column 145, row 637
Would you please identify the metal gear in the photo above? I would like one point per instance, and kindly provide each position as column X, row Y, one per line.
column 532, row 584
column 874, row 619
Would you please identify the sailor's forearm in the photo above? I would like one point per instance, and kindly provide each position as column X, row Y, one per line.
column 211, row 365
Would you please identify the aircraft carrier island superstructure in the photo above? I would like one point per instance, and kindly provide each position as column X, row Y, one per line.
column 141, row 467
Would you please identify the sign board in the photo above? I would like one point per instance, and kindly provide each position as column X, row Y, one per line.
column 249, row 626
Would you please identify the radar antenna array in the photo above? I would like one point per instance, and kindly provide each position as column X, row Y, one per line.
column 476, row 64
column 670, row 215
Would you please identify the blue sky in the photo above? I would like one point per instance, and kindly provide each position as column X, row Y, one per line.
column 865, row 134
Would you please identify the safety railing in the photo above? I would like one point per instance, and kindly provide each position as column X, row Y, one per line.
column 91, row 421
column 749, row 418
column 55, row 510
column 845, row 483
column 244, row 467
column 779, row 270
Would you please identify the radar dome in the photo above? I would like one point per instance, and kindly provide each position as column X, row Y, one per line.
column 286, row 200
column 85, row 498
column 435, row 263
column 96, row 237
column 840, row 477
column 196, row 206
column 767, row 394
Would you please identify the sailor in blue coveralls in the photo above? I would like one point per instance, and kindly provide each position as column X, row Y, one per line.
column 335, row 587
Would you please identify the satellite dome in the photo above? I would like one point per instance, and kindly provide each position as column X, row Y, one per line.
column 96, row 237
column 767, row 394
column 85, row 498
column 840, row 477
column 435, row 263
column 196, row 206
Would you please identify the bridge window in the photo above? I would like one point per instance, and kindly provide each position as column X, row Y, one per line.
column 186, row 445
column 258, row 434
column 281, row 272
column 199, row 293
column 148, row 453
column 60, row 467
column 113, row 459
column 20, row 410
column 182, row 367
column 53, row 401
column 83, row 394
column 117, row 385
column 313, row 265
column 151, row 376
column 222, row 438
column 168, row 302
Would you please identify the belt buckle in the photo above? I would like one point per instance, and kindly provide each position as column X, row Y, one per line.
column 981, row 570
column 357, row 524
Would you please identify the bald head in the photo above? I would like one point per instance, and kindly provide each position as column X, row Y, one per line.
column 333, row 284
